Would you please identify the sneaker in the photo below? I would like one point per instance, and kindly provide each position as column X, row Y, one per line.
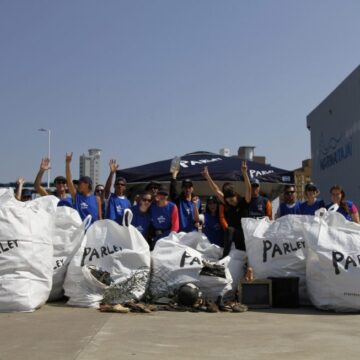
column 211, row 307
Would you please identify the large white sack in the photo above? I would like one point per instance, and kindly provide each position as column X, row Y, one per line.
column 278, row 248
column 26, row 252
column 67, row 235
column 175, row 261
column 119, row 250
column 333, row 262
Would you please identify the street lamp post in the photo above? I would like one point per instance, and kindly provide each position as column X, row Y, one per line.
column 49, row 147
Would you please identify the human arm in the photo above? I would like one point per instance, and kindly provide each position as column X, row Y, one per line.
column 173, row 191
column 268, row 209
column 98, row 200
column 247, row 184
column 224, row 224
column 20, row 184
column 195, row 200
column 44, row 166
column 215, row 189
column 69, row 180
column 354, row 214
column 175, row 226
column 113, row 167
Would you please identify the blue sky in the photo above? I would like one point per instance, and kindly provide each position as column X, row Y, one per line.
column 147, row 80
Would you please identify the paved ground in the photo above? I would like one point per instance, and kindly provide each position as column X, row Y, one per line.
column 61, row 332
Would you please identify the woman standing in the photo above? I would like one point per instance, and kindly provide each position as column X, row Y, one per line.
column 212, row 227
column 312, row 203
column 346, row 207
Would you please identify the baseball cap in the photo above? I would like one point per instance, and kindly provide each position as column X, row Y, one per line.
column 163, row 191
column 186, row 182
column 310, row 186
column 255, row 181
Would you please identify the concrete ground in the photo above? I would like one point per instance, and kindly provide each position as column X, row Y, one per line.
column 59, row 332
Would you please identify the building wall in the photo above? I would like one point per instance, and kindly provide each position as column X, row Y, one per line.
column 302, row 176
column 90, row 165
column 335, row 139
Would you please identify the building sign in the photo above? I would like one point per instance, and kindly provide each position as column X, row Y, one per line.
column 334, row 150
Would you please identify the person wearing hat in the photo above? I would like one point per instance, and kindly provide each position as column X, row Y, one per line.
column 83, row 200
column 117, row 202
column 212, row 227
column 153, row 187
column 164, row 216
column 188, row 205
column 259, row 206
column 290, row 205
column 312, row 203
column 22, row 194
column 59, row 182
column 141, row 214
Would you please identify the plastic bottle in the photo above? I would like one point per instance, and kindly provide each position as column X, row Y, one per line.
column 175, row 164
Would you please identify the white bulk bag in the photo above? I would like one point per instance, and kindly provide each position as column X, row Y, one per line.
column 67, row 235
column 26, row 252
column 277, row 248
column 175, row 262
column 333, row 262
column 122, row 252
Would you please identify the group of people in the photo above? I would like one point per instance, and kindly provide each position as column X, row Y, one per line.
column 158, row 210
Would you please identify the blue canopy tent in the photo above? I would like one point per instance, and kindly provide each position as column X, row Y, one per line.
column 221, row 168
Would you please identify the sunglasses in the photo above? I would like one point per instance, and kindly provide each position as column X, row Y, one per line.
column 99, row 190
column 146, row 200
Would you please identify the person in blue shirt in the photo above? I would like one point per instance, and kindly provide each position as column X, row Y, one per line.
column 141, row 214
column 259, row 206
column 312, row 203
column 99, row 191
column 59, row 182
column 83, row 200
column 345, row 207
column 188, row 205
column 290, row 205
column 212, row 227
column 117, row 202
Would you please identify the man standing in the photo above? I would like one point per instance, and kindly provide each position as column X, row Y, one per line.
column 117, row 201
column 259, row 206
column 290, row 205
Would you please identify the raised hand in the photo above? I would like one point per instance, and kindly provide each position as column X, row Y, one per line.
column 113, row 166
column 244, row 166
column 45, row 164
column 195, row 200
column 205, row 172
column 20, row 180
column 68, row 157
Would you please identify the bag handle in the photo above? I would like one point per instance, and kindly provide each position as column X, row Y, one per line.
column 87, row 222
column 127, row 219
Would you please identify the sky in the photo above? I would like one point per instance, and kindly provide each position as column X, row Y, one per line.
column 147, row 80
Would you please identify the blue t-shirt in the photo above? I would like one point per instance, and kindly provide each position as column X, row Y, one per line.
column 351, row 206
column 141, row 220
column 186, row 215
column 306, row 209
column 284, row 209
column 86, row 205
column 257, row 207
column 213, row 230
column 161, row 219
column 116, row 207
column 67, row 201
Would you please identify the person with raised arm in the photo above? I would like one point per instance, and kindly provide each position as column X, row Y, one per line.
column 59, row 182
column 83, row 200
column 117, row 201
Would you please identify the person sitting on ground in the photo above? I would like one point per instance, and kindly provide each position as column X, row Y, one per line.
column 99, row 191
column 312, row 203
column 59, row 182
column 290, row 205
column 164, row 216
column 260, row 206
column 117, row 201
column 83, row 200
column 22, row 194
column 212, row 227
column 345, row 207
column 141, row 215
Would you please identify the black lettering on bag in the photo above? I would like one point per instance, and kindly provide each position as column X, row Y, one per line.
column 336, row 258
column 85, row 254
column 195, row 259
column 184, row 256
column 292, row 247
column 286, row 248
column 276, row 249
column 103, row 251
column 94, row 252
column 267, row 247
column 349, row 260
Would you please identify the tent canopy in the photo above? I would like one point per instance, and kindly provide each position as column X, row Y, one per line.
column 221, row 168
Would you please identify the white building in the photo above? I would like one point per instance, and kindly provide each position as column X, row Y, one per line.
column 335, row 139
column 225, row 152
column 90, row 165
